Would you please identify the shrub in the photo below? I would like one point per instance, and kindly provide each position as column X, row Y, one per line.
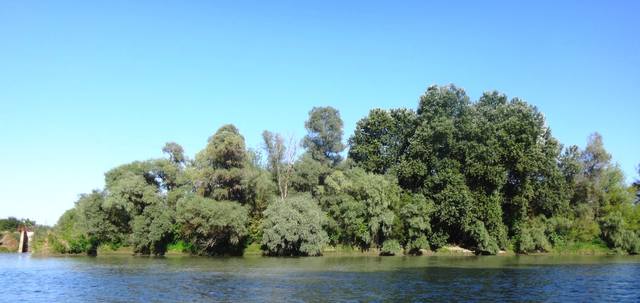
column 617, row 235
column 390, row 248
column 485, row 244
column 293, row 227
column 532, row 237
column 414, row 223
column 212, row 227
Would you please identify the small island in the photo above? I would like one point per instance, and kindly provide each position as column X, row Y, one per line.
column 452, row 176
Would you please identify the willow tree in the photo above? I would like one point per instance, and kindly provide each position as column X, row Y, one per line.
column 218, row 169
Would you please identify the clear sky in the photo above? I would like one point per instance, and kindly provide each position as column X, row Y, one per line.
column 88, row 85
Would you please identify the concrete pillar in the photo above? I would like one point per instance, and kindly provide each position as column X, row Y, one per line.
column 23, row 233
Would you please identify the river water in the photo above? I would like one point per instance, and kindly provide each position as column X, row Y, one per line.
column 26, row 278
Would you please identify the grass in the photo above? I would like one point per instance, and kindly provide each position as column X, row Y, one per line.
column 595, row 247
column 109, row 250
column 346, row 250
column 253, row 250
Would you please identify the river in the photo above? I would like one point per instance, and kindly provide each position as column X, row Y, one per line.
column 26, row 278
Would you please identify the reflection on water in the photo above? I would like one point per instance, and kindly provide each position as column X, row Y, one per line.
column 257, row 279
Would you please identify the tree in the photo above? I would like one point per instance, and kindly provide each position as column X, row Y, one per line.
column 324, row 138
column 175, row 152
column 152, row 231
column 98, row 223
column 381, row 138
column 414, row 222
column 212, row 227
column 309, row 174
column 9, row 224
column 361, row 205
column 636, row 186
column 281, row 160
column 218, row 169
column 595, row 157
column 294, row 227
column 130, row 195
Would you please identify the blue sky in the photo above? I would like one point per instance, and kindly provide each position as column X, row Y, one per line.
column 88, row 86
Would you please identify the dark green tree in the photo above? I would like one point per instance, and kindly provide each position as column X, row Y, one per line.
column 381, row 138
column 153, row 230
column 324, row 135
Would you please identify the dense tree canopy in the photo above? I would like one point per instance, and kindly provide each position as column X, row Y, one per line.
column 13, row 223
column 212, row 227
column 324, row 138
column 294, row 227
column 487, row 175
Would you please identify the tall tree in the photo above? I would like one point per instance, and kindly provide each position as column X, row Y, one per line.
column 324, row 135
column 175, row 152
column 218, row 169
column 636, row 185
column 280, row 159
column 381, row 138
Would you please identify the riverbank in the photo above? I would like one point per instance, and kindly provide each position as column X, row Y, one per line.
column 571, row 249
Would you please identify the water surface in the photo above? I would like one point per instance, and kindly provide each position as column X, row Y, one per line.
column 28, row 278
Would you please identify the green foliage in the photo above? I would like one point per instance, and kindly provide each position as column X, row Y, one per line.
column 360, row 204
column 308, row 174
column 484, row 243
column 486, row 175
column 218, row 169
column 212, row 227
column 128, row 196
column 414, row 214
column 180, row 246
column 617, row 235
column 324, row 135
column 532, row 237
column 280, row 160
column 258, row 189
column 381, row 138
column 12, row 223
column 69, row 236
column 175, row 152
column 293, row 227
column 584, row 228
column 390, row 247
column 153, row 230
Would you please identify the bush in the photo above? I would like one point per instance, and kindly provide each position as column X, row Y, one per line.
column 414, row 223
column 153, row 230
column 293, row 227
column 390, row 248
column 438, row 239
column 485, row 244
column 212, row 227
column 532, row 237
column 617, row 236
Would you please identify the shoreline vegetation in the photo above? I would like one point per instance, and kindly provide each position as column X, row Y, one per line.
column 451, row 177
column 575, row 249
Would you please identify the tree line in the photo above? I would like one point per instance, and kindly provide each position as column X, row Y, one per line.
column 486, row 175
